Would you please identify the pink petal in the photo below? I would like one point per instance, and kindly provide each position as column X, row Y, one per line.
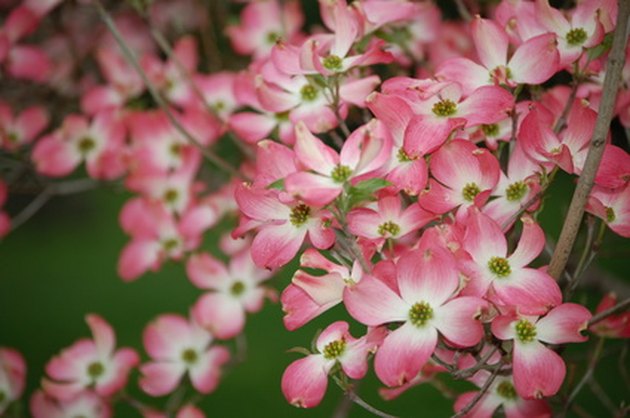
column 538, row 371
column 206, row 272
column 313, row 189
column 403, row 353
column 219, row 313
column 324, row 289
column 464, row 71
column 563, row 324
column 536, row 60
column 373, row 303
column 163, row 337
column 533, row 291
column 53, row 157
column 490, row 41
column 137, row 257
column 313, row 153
column 530, row 245
column 427, row 276
column 299, row 308
column 159, row 379
column 305, row 381
column 486, row 105
column 205, row 374
column 275, row 245
column 103, row 334
column 458, row 320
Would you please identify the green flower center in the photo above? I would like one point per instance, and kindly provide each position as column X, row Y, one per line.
column 12, row 137
column 341, row 173
column 610, row 215
column 576, row 36
column 444, row 107
column 332, row 62
column 309, row 92
column 299, row 214
column 490, row 130
column 95, row 369
column 506, row 390
column 525, row 331
column 420, row 314
column 499, row 266
column 282, row 116
column 189, row 356
column 175, row 149
column 170, row 195
column 218, row 106
column 388, row 228
column 516, row 191
column 237, row 288
column 470, row 191
column 272, row 37
column 403, row 157
column 86, row 144
column 170, row 244
column 334, row 349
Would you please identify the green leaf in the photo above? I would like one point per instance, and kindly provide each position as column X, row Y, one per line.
column 599, row 50
column 278, row 185
column 364, row 191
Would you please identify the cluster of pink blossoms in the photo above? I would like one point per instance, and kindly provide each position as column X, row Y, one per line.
column 398, row 155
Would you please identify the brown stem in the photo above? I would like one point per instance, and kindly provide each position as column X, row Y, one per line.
column 573, row 220
column 463, row 10
column 484, row 389
column 54, row 189
column 621, row 306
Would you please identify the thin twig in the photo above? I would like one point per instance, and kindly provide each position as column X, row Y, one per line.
column 463, row 10
column 60, row 189
column 602, row 396
column 625, row 304
column 482, row 364
column 596, row 150
column 588, row 375
column 561, row 123
column 484, row 389
column 130, row 56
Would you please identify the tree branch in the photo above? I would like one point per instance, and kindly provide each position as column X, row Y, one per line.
column 596, row 150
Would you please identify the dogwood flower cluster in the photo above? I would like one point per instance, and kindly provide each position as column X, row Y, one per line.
column 401, row 158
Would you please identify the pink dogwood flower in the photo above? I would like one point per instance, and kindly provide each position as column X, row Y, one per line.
column 538, row 370
column 304, row 381
column 612, row 206
column 425, row 303
column 233, row 290
column 99, row 142
column 503, row 279
column 464, row 176
column 17, row 130
column 178, row 347
column 387, row 219
column 262, row 24
column 90, row 364
column 614, row 326
column 282, row 224
column 365, row 150
column 533, row 62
